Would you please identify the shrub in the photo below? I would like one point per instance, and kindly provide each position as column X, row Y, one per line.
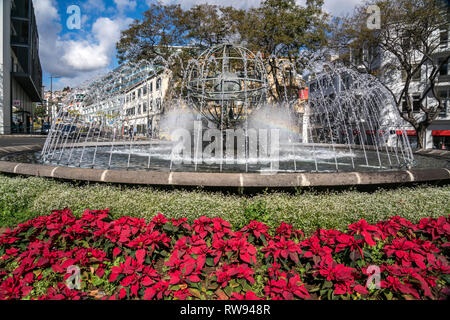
column 168, row 258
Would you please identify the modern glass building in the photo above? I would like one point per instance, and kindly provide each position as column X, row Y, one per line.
column 20, row 67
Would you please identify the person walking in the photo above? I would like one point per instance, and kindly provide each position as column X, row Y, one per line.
column 130, row 132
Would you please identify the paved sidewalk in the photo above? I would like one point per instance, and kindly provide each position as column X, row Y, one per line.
column 21, row 140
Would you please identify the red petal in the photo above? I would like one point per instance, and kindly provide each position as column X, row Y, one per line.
column 360, row 289
column 122, row 293
column 116, row 251
column 140, row 256
column 149, row 293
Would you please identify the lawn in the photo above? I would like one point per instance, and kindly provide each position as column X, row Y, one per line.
column 22, row 199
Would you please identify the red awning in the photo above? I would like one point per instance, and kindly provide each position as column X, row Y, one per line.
column 408, row 132
column 441, row 133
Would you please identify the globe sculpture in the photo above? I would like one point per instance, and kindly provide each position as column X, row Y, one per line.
column 226, row 84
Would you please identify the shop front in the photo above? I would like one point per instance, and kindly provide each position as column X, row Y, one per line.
column 411, row 135
column 22, row 121
column 441, row 139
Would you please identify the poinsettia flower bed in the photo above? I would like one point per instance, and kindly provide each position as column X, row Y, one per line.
column 129, row 258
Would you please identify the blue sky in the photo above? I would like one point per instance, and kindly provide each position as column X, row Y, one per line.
column 80, row 54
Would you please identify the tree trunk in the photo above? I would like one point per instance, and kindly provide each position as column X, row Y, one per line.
column 421, row 134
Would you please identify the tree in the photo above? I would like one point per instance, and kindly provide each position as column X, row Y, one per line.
column 283, row 29
column 277, row 28
column 154, row 35
column 405, row 49
column 165, row 29
column 40, row 111
column 176, row 35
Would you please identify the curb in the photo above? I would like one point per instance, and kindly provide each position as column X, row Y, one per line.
column 225, row 180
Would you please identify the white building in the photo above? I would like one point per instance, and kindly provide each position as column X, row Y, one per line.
column 143, row 105
column 438, row 133
column 129, row 99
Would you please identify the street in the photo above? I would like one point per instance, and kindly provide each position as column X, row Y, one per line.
column 11, row 140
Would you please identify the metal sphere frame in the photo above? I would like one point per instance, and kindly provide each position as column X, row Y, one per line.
column 226, row 83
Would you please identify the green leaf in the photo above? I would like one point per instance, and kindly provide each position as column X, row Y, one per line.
column 228, row 291
column 209, row 262
column 233, row 283
column 213, row 286
column 195, row 292
column 327, row 284
column 314, row 289
column 263, row 239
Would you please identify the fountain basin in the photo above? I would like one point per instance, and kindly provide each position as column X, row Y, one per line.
column 229, row 180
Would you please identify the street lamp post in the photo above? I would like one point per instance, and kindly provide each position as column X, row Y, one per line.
column 50, row 113
column 148, row 111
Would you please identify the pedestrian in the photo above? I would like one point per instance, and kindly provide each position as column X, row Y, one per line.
column 130, row 132
column 134, row 133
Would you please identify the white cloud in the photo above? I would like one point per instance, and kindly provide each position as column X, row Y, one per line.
column 85, row 55
column 97, row 5
column 341, row 7
column 80, row 54
column 123, row 5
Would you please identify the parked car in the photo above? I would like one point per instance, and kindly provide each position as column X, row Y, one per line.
column 69, row 130
column 45, row 129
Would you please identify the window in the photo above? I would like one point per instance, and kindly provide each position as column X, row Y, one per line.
column 144, row 108
column 406, row 40
column 139, row 93
column 139, row 109
column 131, row 112
column 444, row 68
column 158, row 104
column 144, row 90
column 151, row 86
column 158, row 83
column 415, row 102
column 445, row 101
column 444, row 36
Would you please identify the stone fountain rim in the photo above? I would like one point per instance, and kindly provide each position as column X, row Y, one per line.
column 226, row 180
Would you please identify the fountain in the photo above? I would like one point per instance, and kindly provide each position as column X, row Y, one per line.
column 224, row 129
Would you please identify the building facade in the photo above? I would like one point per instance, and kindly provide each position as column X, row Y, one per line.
column 128, row 99
column 20, row 67
column 143, row 105
column 438, row 133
